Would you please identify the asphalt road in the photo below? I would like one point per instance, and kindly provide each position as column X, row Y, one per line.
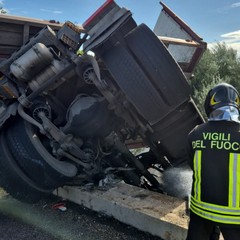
column 42, row 222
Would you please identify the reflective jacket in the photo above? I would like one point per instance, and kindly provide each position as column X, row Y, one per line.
column 214, row 156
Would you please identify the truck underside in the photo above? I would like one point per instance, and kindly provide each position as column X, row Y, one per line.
column 69, row 118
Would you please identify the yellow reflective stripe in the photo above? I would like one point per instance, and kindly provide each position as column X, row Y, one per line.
column 238, row 182
column 214, row 207
column 215, row 216
column 230, row 184
column 224, row 214
column 234, row 180
column 197, row 173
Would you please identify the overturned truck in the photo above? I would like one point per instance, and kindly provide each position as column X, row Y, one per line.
column 70, row 118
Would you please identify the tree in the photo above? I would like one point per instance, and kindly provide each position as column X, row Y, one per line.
column 200, row 94
column 226, row 59
column 205, row 72
column 220, row 64
column 2, row 10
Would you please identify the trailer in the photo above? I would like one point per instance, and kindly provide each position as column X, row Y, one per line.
column 16, row 31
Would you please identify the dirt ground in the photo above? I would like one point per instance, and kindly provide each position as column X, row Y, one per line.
column 42, row 222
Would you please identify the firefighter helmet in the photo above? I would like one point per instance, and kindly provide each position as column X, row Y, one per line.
column 221, row 95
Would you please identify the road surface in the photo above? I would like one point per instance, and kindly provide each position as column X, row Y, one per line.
column 42, row 222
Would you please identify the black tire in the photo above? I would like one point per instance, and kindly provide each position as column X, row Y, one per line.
column 25, row 170
column 12, row 178
column 159, row 65
column 132, row 80
column 147, row 73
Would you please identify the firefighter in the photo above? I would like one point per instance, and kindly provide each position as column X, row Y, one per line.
column 214, row 156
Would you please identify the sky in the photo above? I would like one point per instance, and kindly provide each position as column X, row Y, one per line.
column 213, row 20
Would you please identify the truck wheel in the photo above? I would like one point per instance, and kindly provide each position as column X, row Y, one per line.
column 158, row 64
column 14, row 180
column 144, row 69
column 28, row 171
